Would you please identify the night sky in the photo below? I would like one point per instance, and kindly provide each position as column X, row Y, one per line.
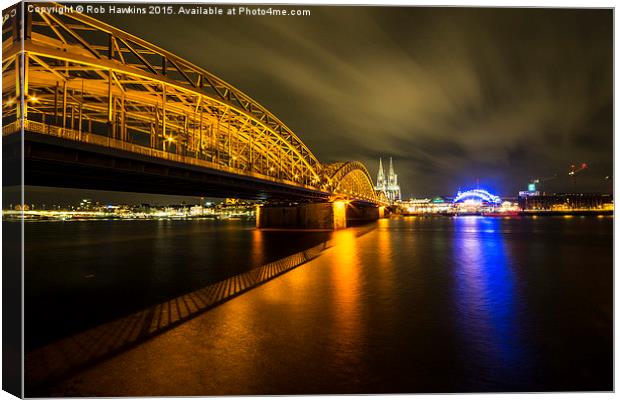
column 456, row 96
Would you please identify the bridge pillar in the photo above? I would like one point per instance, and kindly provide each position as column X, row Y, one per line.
column 332, row 215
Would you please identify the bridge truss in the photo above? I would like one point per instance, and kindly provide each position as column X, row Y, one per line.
column 77, row 78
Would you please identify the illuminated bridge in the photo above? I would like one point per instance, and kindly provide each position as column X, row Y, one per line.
column 103, row 109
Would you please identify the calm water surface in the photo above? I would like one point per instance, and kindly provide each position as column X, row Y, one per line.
column 416, row 305
column 79, row 274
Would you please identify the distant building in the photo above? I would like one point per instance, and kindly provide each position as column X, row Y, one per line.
column 566, row 202
column 390, row 185
column 436, row 205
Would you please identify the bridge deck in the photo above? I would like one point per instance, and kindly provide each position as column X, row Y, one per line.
column 65, row 158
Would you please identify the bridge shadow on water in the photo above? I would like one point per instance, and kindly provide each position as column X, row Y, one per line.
column 55, row 362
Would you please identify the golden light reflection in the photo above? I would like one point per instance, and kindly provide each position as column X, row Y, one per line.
column 383, row 223
column 289, row 290
column 239, row 342
column 346, row 292
column 385, row 257
column 258, row 210
column 381, row 211
column 340, row 214
column 258, row 247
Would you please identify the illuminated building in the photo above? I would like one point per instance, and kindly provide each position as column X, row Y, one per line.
column 436, row 205
column 567, row 202
column 477, row 195
column 476, row 201
column 531, row 191
column 390, row 185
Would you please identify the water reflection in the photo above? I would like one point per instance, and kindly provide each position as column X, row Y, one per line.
column 258, row 247
column 98, row 271
column 346, row 292
column 385, row 257
column 472, row 304
column 485, row 297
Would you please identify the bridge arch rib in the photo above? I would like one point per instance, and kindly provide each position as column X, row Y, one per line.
column 84, row 76
column 352, row 179
column 87, row 81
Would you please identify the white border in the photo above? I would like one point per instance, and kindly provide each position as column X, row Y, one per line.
column 452, row 3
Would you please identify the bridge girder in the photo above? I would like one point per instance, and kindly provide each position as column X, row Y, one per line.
column 352, row 180
column 84, row 78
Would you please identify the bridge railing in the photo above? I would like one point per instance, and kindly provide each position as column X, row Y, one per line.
column 129, row 92
column 79, row 70
column 108, row 142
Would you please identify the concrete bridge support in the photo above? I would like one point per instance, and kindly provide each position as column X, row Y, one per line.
column 332, row 215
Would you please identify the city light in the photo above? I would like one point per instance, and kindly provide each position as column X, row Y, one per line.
column 340, row 214
column 86, row 209
column 477, row 194
column 413, row 277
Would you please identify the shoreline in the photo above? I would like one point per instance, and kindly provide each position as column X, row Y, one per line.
column 527, row 213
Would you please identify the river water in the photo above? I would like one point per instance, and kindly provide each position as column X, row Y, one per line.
column 413, row 305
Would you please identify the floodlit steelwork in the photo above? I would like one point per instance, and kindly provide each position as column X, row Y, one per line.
column 352, row 179
column 79, row 79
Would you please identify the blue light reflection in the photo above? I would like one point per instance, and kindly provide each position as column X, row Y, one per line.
column 485, row 298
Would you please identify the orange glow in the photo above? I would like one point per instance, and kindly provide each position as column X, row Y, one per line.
column 340, row 214
column 258, row 216
column 385, row 260
column 345, row 269
column 381, row 211
column 258, row 247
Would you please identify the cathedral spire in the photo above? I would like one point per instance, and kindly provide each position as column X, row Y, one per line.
column 390, row 185
column 380, row 175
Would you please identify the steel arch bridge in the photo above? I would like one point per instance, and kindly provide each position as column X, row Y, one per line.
column 351, row 177
column 77, row 79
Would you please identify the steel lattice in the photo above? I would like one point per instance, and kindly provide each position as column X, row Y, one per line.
column 85, row 80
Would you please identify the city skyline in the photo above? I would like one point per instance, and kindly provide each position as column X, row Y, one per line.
column 497, row 121
column 458, row 97
column 301, row 200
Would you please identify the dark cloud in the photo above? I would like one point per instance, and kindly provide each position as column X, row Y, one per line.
column 454, row 95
